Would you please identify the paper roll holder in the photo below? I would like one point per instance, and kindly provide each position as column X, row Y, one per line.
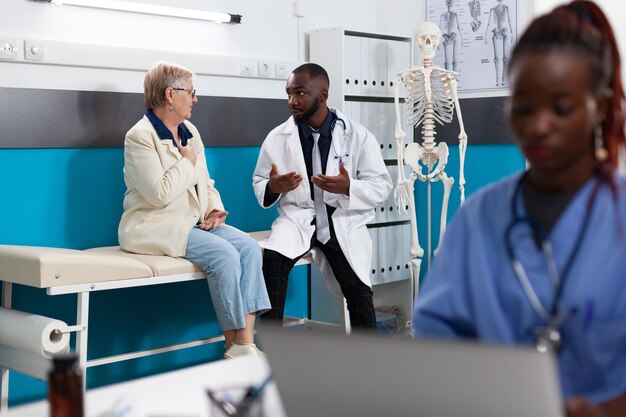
column 69, row 329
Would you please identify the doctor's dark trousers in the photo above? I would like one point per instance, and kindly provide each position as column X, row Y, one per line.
column 276, row 268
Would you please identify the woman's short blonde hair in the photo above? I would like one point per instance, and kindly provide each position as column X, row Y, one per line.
column 163, row 74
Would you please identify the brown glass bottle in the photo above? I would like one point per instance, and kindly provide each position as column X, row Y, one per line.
column 65, row 387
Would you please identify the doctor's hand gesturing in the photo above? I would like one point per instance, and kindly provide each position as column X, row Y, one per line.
column 213, row 219
column 280, row 184
column 337, row 184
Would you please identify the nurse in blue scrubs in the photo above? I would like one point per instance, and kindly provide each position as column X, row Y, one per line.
column 539, row 258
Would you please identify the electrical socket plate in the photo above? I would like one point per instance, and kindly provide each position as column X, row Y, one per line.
column 265, row 67
column 8, row 49
column 33, row 50
column 247, row 67
column 281, row 70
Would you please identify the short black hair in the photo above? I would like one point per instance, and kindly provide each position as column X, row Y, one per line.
column 314, row 71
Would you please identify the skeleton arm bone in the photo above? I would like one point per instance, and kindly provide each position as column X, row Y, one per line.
column 401, row 193
column 462, row 137
column 399, row 133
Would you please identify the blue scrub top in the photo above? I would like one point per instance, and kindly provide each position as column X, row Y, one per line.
column 471, row 291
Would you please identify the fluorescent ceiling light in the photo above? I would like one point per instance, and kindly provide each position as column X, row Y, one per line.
column 128, row 6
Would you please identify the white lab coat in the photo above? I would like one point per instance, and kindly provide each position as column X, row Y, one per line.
column 370, row 185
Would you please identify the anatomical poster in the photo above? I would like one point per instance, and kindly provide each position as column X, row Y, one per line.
column 476, row 39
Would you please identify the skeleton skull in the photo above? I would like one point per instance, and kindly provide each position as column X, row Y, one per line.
column 427, row 36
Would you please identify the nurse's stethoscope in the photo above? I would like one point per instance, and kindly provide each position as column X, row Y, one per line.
column 548, row 336
column 343, row 155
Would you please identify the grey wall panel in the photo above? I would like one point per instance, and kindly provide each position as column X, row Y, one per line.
column 230, row 121
column 34, row 118
column 485, row 123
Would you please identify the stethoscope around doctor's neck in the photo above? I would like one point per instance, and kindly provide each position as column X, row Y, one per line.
column 343, row 155
column 547, row 337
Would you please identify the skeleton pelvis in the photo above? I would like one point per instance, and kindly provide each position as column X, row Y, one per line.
column 434, row 160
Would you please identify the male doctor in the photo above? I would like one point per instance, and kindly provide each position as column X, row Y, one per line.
column 327, row 175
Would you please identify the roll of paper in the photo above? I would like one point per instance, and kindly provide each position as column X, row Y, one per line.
column 26, row 363
column 32, row 333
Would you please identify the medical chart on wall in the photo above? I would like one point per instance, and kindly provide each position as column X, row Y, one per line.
column 477, row 39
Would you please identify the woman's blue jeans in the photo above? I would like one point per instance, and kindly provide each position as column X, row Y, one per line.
column 233, row 263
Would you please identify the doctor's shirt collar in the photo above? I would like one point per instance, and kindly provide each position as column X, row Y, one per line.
column 325, row 130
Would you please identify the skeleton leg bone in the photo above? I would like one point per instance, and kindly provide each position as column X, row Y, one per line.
column 447, row 187
column 415, row 266
column 462, row 149
column 438, row 174
column 416, row 249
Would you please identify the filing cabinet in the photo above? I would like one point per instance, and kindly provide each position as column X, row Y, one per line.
column 362, row 68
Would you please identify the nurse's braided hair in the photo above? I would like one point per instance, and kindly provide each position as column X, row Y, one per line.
column 581, row 26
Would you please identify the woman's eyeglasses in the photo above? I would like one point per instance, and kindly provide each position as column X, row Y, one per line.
column 189, row 90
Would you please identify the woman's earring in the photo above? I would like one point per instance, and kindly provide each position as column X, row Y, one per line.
column 601, row 153
column 171, row 108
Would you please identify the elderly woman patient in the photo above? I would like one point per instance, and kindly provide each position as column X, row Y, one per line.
column 171, row 206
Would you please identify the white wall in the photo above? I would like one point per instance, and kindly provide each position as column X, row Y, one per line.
column 399, row 18
column 269, row 29
column 614, row 9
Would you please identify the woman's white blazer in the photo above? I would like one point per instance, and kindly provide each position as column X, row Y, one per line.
column 166, row 195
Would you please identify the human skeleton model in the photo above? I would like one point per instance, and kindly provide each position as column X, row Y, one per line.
column 502, row 32
column 474, row 7
column 451, row 36
column 431, row 96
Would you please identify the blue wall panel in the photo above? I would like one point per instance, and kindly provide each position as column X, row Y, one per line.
column 483, row 165
column 68, row 197
column 72, row 198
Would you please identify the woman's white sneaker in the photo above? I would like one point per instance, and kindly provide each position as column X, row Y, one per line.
column 247, row 349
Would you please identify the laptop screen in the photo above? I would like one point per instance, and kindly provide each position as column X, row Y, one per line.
column 325, row 373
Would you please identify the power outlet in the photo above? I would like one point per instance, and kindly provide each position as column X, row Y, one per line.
column 281, row 69
column 265, row 68
column 246, row 67
column 33, row 50
column 8, row 49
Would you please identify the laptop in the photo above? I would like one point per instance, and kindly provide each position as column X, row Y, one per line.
column 326, row 373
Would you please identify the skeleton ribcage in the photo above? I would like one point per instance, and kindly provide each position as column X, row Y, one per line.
column 416, row 99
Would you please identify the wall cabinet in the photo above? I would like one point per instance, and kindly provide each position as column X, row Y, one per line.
column 362, row 68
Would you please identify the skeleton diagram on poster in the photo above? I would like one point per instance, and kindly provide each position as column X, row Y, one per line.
column 476, row 42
